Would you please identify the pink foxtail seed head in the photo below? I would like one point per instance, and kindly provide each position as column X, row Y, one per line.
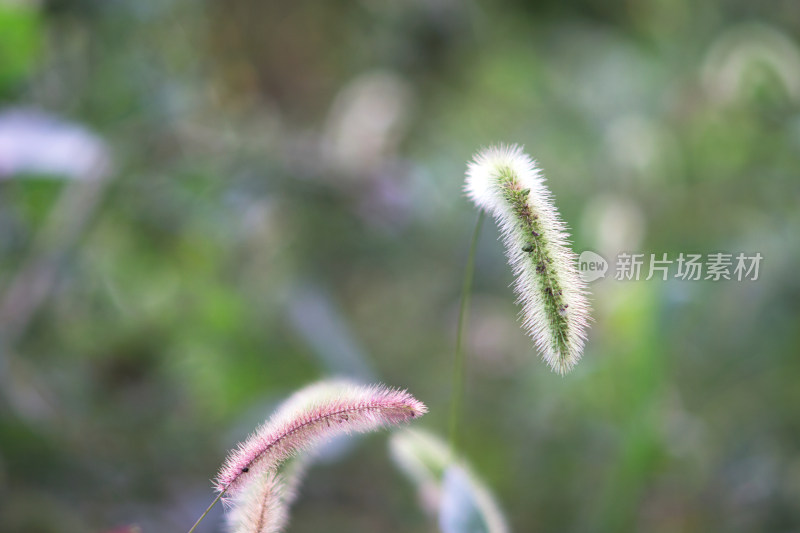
column 314, row 414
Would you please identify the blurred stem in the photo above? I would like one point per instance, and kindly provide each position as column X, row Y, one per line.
column 209, row 509
column 458, row 366
column 20, row 385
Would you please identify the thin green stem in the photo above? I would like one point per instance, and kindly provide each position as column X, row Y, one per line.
column 207, row 510
column 458, row 365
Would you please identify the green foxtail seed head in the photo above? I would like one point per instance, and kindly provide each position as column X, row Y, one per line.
column 505, row 182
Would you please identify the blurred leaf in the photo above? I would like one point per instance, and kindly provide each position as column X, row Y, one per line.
column 446, row 488
column 464, row 506
column 20, row 40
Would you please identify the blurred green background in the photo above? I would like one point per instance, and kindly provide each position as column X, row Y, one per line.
column 205, row 205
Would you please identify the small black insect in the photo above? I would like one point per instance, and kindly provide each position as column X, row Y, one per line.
column 245, row 469
column 527, row 248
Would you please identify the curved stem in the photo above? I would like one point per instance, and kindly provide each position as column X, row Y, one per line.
column 219, row 496
column 458, row 366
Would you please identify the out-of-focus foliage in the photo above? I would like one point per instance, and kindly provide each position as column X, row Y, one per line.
column 20, row 40
column 446, row 488
column 285, row 203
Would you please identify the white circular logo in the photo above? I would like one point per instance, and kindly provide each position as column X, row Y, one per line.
column 592, row 266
